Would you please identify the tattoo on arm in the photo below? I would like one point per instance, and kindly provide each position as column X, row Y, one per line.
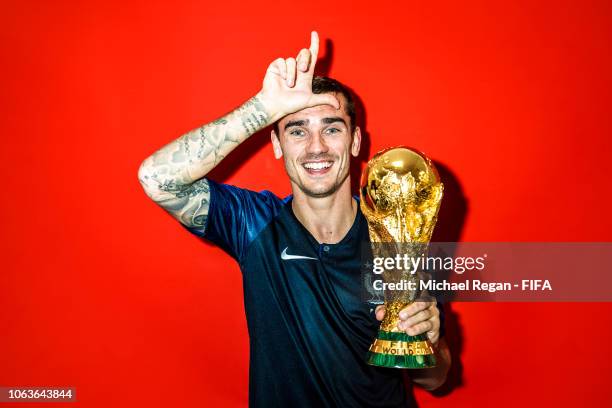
column 188, row 203
column 254, row 116
column 173, row 176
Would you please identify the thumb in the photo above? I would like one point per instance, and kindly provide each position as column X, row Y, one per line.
column 380, row 312
column 324, row 99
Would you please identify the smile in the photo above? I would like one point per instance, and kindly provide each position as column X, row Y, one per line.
column 318, row 167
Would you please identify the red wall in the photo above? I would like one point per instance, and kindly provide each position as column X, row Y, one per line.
column 101, row 290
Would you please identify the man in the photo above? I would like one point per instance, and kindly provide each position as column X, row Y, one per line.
column 309, row 329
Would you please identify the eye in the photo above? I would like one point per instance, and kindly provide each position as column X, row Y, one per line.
column 297, row 132
column 332, row 130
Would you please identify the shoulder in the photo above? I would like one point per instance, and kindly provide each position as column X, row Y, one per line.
column 229, row 195
column 237, row 215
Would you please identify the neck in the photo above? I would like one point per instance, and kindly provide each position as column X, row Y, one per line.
column 329, row 218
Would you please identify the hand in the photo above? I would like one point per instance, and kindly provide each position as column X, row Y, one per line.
column 417, row 318
column 287, row 86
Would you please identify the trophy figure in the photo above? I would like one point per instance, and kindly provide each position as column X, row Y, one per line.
column 400, row 197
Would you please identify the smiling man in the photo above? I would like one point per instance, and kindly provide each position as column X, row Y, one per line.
column 309, row 328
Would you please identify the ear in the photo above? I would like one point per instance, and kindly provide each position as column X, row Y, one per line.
column 278, row 152
column 356, row 144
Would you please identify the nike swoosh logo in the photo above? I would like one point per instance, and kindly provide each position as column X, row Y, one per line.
column 286, row 256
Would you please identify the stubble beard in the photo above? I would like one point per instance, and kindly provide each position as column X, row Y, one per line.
column 314, row 193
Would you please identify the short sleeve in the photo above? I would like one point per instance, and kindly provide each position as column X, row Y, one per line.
column 236, row 216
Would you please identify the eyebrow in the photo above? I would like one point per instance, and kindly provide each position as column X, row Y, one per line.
column 295, row 123
column 325, row 121
column 333, row 119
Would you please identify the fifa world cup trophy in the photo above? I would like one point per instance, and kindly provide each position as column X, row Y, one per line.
column 401, row 194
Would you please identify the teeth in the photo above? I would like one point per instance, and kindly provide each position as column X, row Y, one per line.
column 318, row 166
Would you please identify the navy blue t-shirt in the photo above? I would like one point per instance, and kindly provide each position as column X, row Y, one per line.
column 309, row 327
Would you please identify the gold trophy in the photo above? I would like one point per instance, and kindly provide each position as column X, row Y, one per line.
column 401, row 193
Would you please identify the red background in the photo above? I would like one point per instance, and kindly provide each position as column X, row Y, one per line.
column 101, row 290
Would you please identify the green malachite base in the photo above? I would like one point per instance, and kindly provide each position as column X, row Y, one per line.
column 398, row 355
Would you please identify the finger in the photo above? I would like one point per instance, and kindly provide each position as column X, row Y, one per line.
column 324, row 99
column 283, row 67
column 435, row 323
column 421, row 316
column 433, row 336
column 290, row 71
column 314, row 50
column 414, row 308
column 380, row 312
column 303, row 60
column 434, row 333
column 420, row 328
column 278, row 67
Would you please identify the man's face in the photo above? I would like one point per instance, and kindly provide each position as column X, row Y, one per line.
column 316, row 144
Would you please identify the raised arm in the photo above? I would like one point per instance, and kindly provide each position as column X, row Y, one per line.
column 173, row 176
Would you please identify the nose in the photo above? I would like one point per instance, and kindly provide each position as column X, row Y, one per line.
column 316, row 144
